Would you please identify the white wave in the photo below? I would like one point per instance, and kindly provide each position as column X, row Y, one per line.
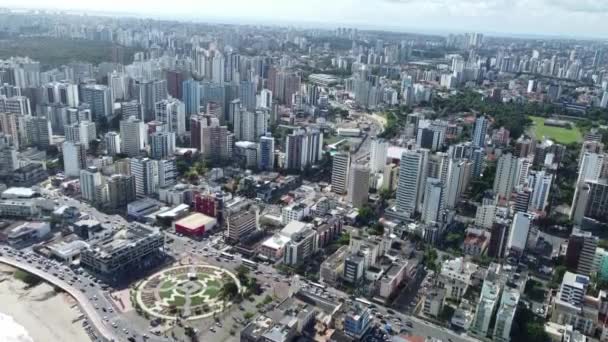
column 11, row 331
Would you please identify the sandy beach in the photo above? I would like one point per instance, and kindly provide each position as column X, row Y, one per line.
column 46, row 315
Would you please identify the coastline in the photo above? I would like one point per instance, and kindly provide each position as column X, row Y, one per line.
column 46, row 315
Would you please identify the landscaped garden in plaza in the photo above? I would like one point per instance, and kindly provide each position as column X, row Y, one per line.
column 191, row 292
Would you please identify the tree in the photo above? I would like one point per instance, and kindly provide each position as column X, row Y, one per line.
column 558, row 275
column 366, row 215
column 229, row 290
column 430, row 258
column 344, row 239
column 242, row 273
column 378, row 229
column 527, row 327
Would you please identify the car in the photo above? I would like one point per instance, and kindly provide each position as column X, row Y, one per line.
column 212, row 329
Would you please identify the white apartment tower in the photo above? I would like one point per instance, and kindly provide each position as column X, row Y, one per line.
column 506, row 171
column 133, row 136
column 340, row 172
column 378, row 151
column 411, row 174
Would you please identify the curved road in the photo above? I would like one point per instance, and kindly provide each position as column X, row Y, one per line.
column 83, row 302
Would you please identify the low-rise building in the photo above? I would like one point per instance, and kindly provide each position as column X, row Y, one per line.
column 433, row 303
column 68, row 252
column 302, row 245
column 274, row 247
column 127, row 250
column 357, row 320
column 393, row 278
column 139, row 209
column 456, row 276
column 29, row 175
column 195, row 224
column 332, row 268
column 28, row 233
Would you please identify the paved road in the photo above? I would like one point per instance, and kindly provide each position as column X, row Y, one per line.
column 186, row 248
column 83, row 302
column 100, row 310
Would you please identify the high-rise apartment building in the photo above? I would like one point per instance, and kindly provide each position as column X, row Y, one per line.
column 167, row 173
column 121, row 191
column 90, row 180
column 74, row 158
column 172, row 113
column 38, row 131
column 132, row 136
column 148, row 93
column 581, row 250
column 358, row 192
column 145, row 171
column 411, row 173
column 303, row 148
column 266, row 153
column 99, row 97
column 250, row 126
column 378, row 152
column 506, row 170
column 480, row 131
column 340, row 172
column 112, row 141
column 432, row 207
column 162, row 145
column 191, row 96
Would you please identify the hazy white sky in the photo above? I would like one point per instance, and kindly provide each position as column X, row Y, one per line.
column 553, row 17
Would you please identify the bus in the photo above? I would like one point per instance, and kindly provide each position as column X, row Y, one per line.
column 227, row 256
column 363, row 301
column 321, row 286
column 251, row 264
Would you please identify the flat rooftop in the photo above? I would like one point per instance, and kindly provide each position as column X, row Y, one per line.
column 124, row 238
column 195, row 220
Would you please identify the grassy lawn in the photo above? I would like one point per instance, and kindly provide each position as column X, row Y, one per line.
column 212, row 291
column 194, row 301
column 167, row 285
column 177, row 301
column 165, row 294
column 558, row 134
column 213, row 283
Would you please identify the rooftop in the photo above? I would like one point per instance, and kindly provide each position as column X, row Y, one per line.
column 293, row 228
column 124, row 238
column 195, row 220
column 276, row 241
column 575, row 280
column 17, row 192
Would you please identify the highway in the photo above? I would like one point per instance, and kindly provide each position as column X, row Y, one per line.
column 102, row 314
column 86, row 306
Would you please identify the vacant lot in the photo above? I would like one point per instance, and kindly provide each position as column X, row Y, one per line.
column 558, row 134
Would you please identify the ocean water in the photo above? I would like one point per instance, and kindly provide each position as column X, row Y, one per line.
column 11, row 331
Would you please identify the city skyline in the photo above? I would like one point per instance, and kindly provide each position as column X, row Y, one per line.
column 537, row 18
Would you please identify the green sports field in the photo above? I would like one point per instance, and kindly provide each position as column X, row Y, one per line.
column 557, row 134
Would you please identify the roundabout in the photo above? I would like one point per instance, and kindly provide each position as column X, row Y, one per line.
column 190, row 292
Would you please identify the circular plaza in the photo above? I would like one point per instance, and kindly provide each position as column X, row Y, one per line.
column 190, row 292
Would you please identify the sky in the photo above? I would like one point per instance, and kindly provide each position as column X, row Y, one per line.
column 573, row 18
